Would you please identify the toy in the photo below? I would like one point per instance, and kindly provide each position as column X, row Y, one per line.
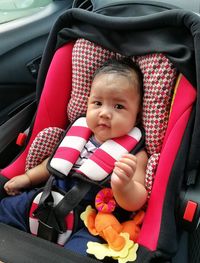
column 127, row 254
column 106, row 225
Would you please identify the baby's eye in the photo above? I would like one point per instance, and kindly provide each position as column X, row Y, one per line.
column 119, row 106
column 97, row 103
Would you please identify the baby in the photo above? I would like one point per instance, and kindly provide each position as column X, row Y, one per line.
column 114, row 107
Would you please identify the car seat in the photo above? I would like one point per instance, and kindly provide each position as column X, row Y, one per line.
column 161, row 41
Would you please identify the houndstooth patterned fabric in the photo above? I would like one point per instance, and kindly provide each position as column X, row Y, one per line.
column 150, row 171
column 86, row 59
column 43, row 146
column 159, row 77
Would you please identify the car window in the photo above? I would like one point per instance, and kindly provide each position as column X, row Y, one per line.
column 192, row 5
column 14, row 9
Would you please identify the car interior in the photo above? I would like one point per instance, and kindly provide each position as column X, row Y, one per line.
column 22, row 46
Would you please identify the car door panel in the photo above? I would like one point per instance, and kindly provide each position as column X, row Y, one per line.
column 18, row 121
column 21, row 47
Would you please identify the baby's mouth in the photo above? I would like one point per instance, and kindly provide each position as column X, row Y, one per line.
column 103, row 125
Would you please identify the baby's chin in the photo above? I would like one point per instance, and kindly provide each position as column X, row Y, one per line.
column 102, row 139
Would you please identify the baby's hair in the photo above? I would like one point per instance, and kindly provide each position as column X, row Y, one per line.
column 124, row 67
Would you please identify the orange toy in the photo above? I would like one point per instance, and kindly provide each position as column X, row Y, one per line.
column 106, row 225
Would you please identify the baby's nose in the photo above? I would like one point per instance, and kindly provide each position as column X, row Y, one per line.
column 105, row 112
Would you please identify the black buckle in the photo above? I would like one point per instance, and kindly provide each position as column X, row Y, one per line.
column 47, row 232
column 52, row 218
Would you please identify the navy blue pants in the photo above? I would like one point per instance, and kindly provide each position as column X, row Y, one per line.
column 14, row 211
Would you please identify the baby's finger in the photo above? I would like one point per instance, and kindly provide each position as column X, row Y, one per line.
column 129, row 157
column 125, row 168
column 119, row 177
column 13, row 192
column 7, row 184
column 130, row 160
column 7, row 187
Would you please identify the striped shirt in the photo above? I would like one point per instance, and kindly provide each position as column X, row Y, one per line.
column 88, row 149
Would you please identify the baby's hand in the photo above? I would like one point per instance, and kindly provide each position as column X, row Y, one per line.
column 16, row 184
column 124, row 170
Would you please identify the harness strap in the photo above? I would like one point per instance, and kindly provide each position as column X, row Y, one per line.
column 70, row 147
column 46, row 199
column 70, row 201
column 101, row 163
column 51, row 218
column 95, row 170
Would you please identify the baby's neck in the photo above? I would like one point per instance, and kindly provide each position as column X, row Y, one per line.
column 94, row 141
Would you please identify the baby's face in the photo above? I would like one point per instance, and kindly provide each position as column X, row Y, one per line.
column 113, row 106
